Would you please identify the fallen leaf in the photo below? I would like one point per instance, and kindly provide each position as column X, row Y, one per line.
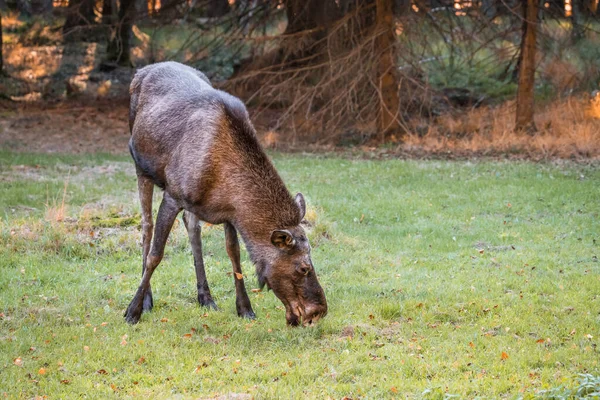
column 394, row 390
column 187, row 336
column 588, row 336
column 86, row 348
column 472, row 345
column 164, row 320
column 239, row 276
column 256, row 290
column 504, row 356
column 141, row 360
column 540, row 341
column 102, row 372
column 42, row 371
column 18, row 362
column 65, row 381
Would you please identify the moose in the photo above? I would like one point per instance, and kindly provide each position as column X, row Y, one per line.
column 198, row 145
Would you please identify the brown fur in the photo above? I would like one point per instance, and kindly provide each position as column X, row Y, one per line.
column 198, row 144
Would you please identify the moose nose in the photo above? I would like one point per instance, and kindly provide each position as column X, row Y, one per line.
column 304, row 269
column 313, row 313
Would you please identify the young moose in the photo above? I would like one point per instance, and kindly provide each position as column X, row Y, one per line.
column 198, row 145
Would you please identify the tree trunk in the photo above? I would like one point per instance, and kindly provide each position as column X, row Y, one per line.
column 24, row 7
column 1, row 54
column 304, row 15
column 118, row 50
column 388, row 120
column 217, row 8
column 40, row 7
column 141, row 9
column 525, row 91
column 80, row 13
column 108, row 11
column 577, row 21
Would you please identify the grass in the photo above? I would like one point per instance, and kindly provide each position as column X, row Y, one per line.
column 443, row 278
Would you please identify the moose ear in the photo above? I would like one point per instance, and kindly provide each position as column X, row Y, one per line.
column 283, row 239
column 301, row 205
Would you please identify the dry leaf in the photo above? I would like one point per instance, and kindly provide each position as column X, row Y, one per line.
column 187, row 336
column 472, row 345
column 86, row 348
column 18, row 362
column 540, row 341
column 65, row 381
column 394, row 390
column 42, row 371
column 102, row 372
column 239, row 276
column 256, row 290
column 164, row 320
column 504, row 356
column 141, row 360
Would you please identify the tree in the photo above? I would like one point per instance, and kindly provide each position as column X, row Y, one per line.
column 1, row 54
column 577, row 20
column 79, row 14
column 525, row 90
column 108, row 11
column 334, row 69
column 388, row 122
column 119, row 47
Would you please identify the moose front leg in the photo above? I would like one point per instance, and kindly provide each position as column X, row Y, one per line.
column 192, row 225
column 242, row 302
column 164, row 222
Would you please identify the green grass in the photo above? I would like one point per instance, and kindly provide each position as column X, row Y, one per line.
column 443, row 278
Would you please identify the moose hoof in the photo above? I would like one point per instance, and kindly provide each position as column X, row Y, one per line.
column 133, row 314
column 247, row 314
column 207, row 302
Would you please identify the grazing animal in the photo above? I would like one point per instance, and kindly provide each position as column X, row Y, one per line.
column 198, row 145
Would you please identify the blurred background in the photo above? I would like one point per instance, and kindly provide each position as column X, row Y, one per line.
column 409, row 77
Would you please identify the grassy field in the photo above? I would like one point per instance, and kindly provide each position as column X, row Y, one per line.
column 475, row 279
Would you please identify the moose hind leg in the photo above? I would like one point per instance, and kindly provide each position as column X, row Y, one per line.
column 242, row 302
column 146, row 189
column 164, row 222
column 192, row 225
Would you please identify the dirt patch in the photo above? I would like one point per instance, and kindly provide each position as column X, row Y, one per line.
column 67, row 127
